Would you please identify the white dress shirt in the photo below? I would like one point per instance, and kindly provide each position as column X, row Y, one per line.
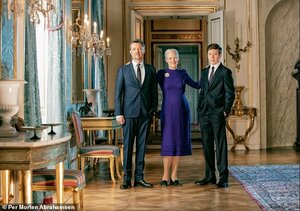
column 142, row 68
column 210, row 69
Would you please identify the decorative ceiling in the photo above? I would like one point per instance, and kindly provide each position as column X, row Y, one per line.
column 175, row 8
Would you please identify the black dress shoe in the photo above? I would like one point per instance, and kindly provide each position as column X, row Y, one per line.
column 222, row 184
column 125, row 185
column 175, row 183
column 142, row 183
column 164, row 183
column 205, row 181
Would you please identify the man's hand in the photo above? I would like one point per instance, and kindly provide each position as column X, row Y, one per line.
column 120, row 119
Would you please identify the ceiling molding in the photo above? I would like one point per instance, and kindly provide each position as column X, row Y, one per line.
column 175, row 7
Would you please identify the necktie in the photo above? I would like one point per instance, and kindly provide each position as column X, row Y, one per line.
column 138, row 74
column 211, row 74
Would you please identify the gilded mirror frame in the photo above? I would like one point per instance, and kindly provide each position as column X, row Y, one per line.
column 78, row 60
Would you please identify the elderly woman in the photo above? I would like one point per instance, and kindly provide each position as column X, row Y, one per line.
column 175, row 116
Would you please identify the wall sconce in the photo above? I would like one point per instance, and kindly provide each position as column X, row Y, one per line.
column 83, row 40
column 236, row 55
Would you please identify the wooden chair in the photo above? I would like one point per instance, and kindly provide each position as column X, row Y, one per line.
column 74, row 181
column 96, row 151
column 44, row 179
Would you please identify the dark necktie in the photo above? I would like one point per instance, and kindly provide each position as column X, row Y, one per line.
column 138, row 74
column 211, row 74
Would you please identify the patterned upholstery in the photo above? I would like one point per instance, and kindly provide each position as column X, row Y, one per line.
column 100, row 149
column 96, row 151
column 47, row 177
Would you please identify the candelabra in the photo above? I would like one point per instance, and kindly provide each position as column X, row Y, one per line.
column 236, row 56
column 84, row 41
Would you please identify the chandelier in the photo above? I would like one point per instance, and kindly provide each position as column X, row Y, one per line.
column 39, row 6
column 35, row 7
column 85, row 41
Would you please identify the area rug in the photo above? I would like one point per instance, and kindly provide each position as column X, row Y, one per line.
column 272, row 187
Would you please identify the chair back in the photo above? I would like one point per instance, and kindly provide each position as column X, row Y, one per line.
column 77, row 128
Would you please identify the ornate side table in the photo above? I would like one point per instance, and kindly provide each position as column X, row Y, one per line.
column 239, row 110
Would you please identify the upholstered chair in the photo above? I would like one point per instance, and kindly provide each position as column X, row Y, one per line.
column 110, row 152
column 44, row 179
column 74, row 181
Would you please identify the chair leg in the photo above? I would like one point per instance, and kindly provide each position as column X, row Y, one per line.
column 117, row 161
column 81, row 199
column 82, row 164
column 112, row 169
column 122, row 154
column 75, row 197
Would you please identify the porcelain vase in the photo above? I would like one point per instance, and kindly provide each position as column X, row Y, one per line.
column 92, row 97
column 9, row 92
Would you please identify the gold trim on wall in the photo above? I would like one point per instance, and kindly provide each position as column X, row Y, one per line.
column 176, row 1
column 179, row 37
column 186, row 7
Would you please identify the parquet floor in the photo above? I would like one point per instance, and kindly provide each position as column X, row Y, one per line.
column 102, row 194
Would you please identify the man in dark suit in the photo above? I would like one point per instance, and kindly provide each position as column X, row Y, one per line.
column 135, row 102
column 215, row 100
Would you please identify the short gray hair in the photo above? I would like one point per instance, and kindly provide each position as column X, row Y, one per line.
column 170, row 50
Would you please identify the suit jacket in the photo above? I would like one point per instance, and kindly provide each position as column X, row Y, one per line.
column 219, row 94
column 130, row 97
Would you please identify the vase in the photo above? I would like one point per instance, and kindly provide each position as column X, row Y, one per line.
column 92, row 97
column 9, row 93
column 238, row 103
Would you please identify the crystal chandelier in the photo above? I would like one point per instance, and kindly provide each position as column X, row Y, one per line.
column 85, row 41
column 39, row 6
column 34, row 8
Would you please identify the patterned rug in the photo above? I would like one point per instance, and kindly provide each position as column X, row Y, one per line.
column 272, row 187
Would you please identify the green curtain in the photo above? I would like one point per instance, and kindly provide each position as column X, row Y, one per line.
column 32, row 112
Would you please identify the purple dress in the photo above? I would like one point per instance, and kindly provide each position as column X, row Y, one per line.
column 175, row 112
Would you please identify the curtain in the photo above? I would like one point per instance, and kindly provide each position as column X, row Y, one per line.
column 98, row 73
column 7, row 44
column 56, row 103
column 32, row 112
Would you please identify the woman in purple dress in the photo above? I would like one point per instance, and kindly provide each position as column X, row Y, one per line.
column 175, row 116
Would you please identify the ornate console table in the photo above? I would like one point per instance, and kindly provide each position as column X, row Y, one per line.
column 239, row 110
column 24, row 155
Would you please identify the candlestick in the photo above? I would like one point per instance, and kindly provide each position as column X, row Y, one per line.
column 107, row 40
column 101, row 34
column 95, row 27
column 241, row 34
column 235, row 30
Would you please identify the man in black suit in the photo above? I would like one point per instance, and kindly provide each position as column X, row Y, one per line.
column 215, row 100
column 135, row 102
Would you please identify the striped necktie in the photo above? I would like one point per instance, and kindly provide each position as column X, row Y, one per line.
column 211, row 74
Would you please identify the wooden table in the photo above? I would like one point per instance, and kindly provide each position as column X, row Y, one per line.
column 24, row 155
column 100, row 123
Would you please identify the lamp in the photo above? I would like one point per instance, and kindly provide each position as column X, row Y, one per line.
column 84, row 41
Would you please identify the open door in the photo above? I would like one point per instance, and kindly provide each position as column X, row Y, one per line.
column 137, row 26
column 215, row 26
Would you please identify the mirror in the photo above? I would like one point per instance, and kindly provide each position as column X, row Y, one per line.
column 77, row 58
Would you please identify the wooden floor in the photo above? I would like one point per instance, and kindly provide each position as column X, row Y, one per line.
column 101, row 194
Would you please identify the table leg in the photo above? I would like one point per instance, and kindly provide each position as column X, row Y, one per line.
column 109, row 137
column 26, row 193
column 5, row 183
column 59, row 181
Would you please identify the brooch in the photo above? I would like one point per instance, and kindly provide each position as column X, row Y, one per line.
column 167, row 75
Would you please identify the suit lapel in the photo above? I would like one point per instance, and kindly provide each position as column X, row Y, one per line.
column 217, row 71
